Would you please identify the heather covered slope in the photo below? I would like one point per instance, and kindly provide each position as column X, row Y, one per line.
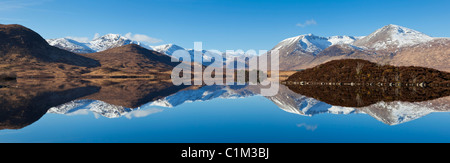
column 365, row 72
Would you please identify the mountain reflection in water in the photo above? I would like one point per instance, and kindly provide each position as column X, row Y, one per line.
column 26, row 101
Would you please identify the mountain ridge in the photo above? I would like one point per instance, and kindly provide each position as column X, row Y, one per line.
column 98, row 44
column 392, row 37
column 381, row 46
column 25, row 54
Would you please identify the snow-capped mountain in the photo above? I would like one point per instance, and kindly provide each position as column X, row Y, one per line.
column 392, row 37
column 312, row 44
column 236, row 57
column 96, row 45
column 115, row 40
column 70, row 45
column 307, row 51
column 298, row 52
column 112, row 41
column 168, row 49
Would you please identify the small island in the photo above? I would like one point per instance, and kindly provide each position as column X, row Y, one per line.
column 357, row 72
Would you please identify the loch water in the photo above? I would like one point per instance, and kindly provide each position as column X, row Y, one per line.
column 151, row 111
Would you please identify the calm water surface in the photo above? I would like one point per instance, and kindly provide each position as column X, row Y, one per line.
column 149, row 111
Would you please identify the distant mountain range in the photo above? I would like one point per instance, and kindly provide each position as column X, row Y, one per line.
column 115, row 40
column 97, row 45
column 391, row 44
column 25, row 53
column 392, row 38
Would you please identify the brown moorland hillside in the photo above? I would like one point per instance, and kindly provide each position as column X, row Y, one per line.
column 434, row 54
column 130, row 60
column 24, row 53
column 20, row 44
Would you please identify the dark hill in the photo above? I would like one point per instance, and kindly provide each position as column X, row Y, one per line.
column 20, row 45
column 362, row 72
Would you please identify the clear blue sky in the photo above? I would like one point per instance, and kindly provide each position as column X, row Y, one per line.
column 224, row 24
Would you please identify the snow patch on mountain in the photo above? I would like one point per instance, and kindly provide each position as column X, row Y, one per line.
column 238, row 57
column 109, row 41
column 70, row 45
column 338, row 40
column 167, row 49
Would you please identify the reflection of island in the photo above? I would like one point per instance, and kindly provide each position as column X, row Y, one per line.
column 391, row 94
column 362, row 96
column 389, row 112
